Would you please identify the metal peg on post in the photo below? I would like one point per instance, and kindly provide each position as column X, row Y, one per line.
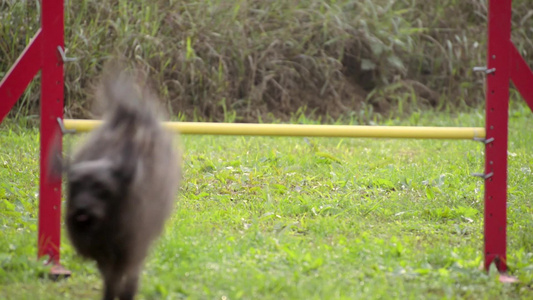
column 63, row 56
column 484, row 69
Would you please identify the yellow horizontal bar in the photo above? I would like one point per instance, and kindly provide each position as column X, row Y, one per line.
column 414, row 132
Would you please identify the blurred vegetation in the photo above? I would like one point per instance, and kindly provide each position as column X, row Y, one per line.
column 259, row 60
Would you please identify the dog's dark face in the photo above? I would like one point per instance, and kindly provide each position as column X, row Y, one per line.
column 93, row 187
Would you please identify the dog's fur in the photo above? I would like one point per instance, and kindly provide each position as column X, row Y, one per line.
column 121, row 184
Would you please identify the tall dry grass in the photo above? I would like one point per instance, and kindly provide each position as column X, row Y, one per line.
column 262, row 59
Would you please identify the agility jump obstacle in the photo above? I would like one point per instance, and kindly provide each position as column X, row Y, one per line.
column 46, row 53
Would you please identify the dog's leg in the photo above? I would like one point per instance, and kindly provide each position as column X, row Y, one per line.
column 112, row 282
column 131, row 281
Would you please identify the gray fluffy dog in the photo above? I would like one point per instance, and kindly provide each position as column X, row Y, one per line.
column 121, row 184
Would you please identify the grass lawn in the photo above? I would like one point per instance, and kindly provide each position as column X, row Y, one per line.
column 294, row 218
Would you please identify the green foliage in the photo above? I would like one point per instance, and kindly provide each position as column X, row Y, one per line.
column 264, row 60
column 294, row 218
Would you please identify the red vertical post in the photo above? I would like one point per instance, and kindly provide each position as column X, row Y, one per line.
column 497, row 116
column 51, row 108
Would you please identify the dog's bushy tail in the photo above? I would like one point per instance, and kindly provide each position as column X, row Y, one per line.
column 126, row 99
